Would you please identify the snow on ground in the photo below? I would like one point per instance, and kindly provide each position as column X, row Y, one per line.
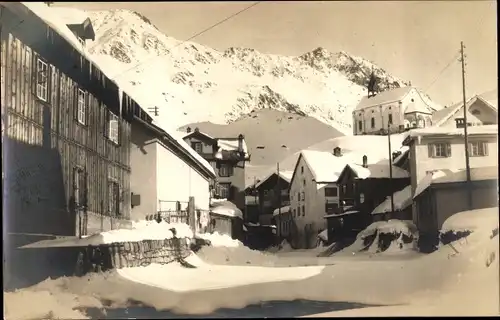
column 147, row 230
column 209, row 277
column 220, row 240
column 480, row 219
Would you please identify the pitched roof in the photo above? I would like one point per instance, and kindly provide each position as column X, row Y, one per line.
column 285, row 175
column 384, row 97
column 377, row 171
column 324, row 166
column 441, row 116
column 402, row 200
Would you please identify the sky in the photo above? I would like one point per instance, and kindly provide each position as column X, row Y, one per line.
column 413, row 40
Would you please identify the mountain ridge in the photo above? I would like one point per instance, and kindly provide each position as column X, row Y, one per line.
column 190, row 82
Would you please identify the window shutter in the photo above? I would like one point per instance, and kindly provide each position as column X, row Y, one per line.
column 34, row 72
column 116, row 195
column 87, row 108
column 106, row 121
column 75, row 102
column 485, row 148
column 430, row 149
column 448, row 149
column 74, row 193
column 85, row 189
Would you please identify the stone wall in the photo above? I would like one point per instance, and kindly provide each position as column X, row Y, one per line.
column 132, row 254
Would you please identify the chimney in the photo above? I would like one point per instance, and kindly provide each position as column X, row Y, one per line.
column 188, row 130
column 240, row 143
column 365, row 161
column 337, row 151
column 196, row 129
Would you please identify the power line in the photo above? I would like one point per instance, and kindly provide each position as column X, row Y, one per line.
column 442, row 71
column 194, row 36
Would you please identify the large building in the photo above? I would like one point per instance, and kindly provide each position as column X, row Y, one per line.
column 437, row 167
column 479, row 112
column 396, row 109
column 228, row 157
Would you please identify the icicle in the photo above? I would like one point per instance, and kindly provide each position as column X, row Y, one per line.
column 120, row 97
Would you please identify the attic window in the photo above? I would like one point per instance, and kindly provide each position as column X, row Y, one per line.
column 412, row 100
column 82, row 41
column 475, row 112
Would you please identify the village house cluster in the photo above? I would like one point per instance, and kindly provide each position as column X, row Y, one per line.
column 84, row 157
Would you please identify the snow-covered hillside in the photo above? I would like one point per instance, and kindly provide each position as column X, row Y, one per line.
column 190, row 82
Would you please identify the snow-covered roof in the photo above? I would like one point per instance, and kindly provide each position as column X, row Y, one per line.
column 197, row 132
column 455, row 175
column 404, row 152
column 384, row 97
column 285, row 175
column 402, row 200
column 183, row 144
column 284, row 209
column 491, row 129
column 378, row 171
column 231, row 144
column 325, row 167
column 441, row 116
column 227, row 209
column 70, row 15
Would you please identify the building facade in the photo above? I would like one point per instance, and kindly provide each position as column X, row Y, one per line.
column 67, row 130
column 437, row 156
column 396, row 110
column 166, row 173
column 273, row 194
column 479, row 112
column 228, row 157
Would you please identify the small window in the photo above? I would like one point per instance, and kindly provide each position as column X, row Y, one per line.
column 42, row 80
column 196, row 146
column 113, row 128
column 81, row 106
column 360, row 125
column 304, row 182
column 81, row 40
column 478, row 149
column 113, row 198
column 225, row 170
column 303, row 196
column 294, row 211
column 412, row 100
column 298, row 211
column 439, row 150
column 298, row 196
column 303, row 210
column 373, row 122
column 390, row 118
column 302, row 169
column 331, row 192
column 223, row 190
column 475, row 112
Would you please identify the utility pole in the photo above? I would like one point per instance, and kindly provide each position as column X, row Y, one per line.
column 466, row 137
column 279, row 199
column 390, row 168
column 155, row 110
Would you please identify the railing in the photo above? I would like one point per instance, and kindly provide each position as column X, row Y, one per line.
column 174, row 216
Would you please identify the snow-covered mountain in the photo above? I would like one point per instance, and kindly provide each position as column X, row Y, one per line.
column 190, row 82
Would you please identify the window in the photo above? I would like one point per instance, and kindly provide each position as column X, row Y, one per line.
column 302, row 169
column 390, row 118
column 439, row 150
column 225, row 170
column 298, row 196
column 223, row 190
column 81, row 106
column 196, row 146
column 304, row 182
column 331, row 192
column 298, row 211
column 294, row 211
column 373, row 122
column 113, row 131
column 113, row 198
column 360, row 125
column 303, row 210
column 478, row 149
column 42, row 80
column 331, row 207
column 82, row 41
column 303, row 196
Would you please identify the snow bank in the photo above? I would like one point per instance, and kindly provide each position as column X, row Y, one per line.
column 385, row 236
column 480, row 219
column 284, row 209
column 147, row 230
column 220, row 240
